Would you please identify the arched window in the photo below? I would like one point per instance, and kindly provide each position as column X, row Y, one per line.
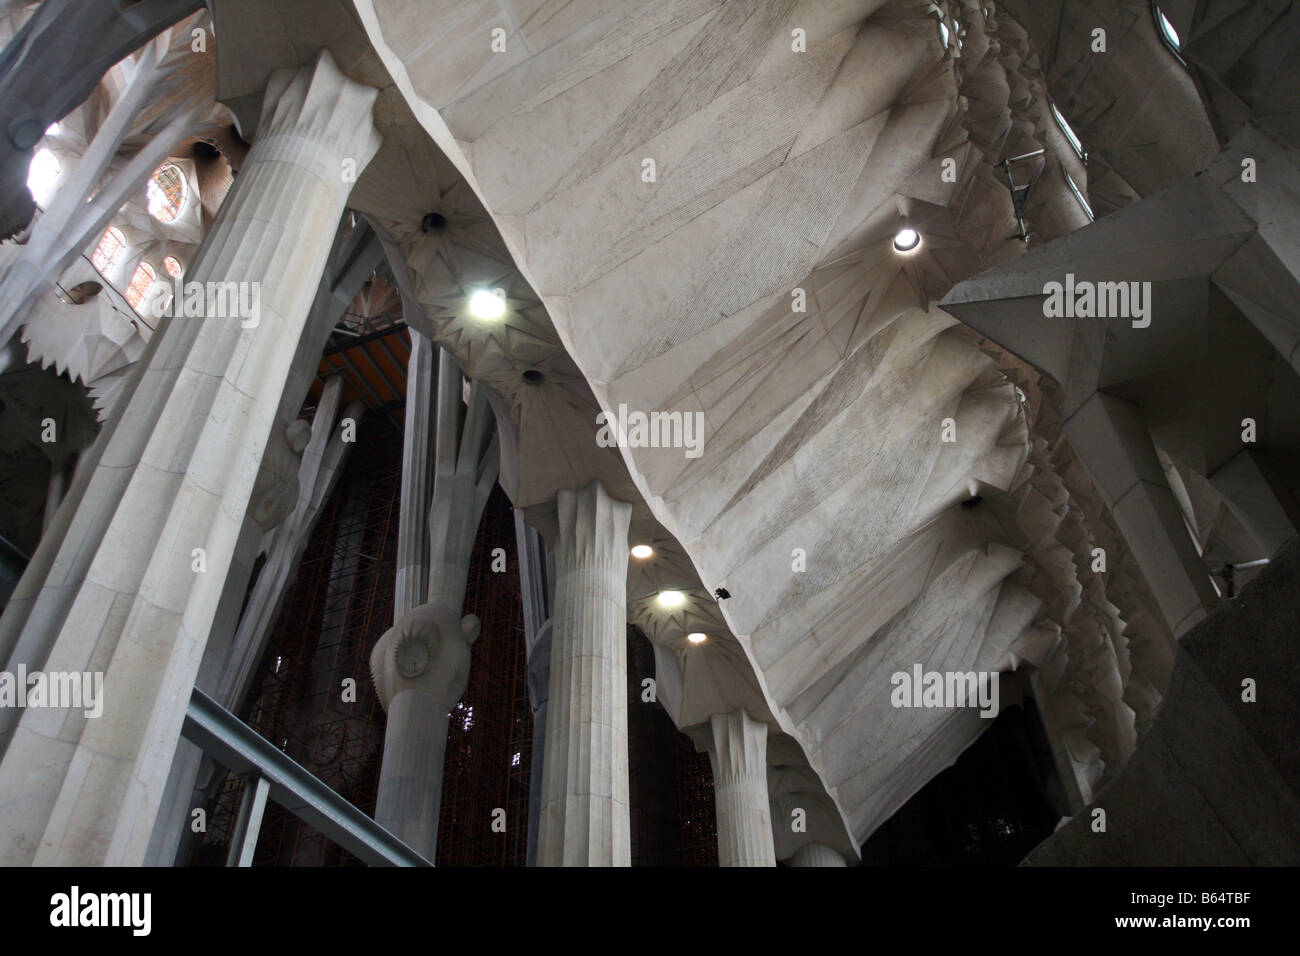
column 1068, row 130
column 1166, row 28
column 166, row 193
column 1078, row 194
column 140, row 282
column 1167, row 32
column 173, row 267
column 111, row 244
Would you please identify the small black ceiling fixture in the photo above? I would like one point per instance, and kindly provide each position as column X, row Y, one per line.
column 722, row 594
column 433, row 222
column 534, row 376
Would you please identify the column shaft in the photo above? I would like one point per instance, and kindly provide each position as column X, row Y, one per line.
column 410, row 778
column 584, row 812
column 739, row 756
column 127, row 595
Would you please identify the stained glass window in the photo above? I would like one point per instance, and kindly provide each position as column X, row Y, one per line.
column 166, row 193
column 140, row 282
column 111, row 244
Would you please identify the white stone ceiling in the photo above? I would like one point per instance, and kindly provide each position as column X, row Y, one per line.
column 775, row 171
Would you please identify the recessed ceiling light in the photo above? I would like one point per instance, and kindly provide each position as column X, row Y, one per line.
column 907, row 239
column 672, row 598
column 642, row 551
column 486, row 304
column 697, row 638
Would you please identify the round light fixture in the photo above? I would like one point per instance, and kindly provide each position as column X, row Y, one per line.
column 697, row 638
column 907, row 239
column 486, row 304
column 672, row 598
column 642, row 551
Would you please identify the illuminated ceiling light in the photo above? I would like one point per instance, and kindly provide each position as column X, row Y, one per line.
column 697, row 638
column 642, row 551
column 486, row 304
column 52, row 129
column 672, row 598
column 907, row 239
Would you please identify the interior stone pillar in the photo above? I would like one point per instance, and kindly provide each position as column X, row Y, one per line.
column 417, row 477
column 816, row 854
column 539, row 686
column 125, row 594
column 738, row 753
column 421, row 664
column 584, row 813
column 534, row 585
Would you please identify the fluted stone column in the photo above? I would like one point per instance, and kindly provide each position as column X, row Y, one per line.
column 738, row 753
column 816, row 854
column 584, row 813
column 536, row 587
column 119, row 589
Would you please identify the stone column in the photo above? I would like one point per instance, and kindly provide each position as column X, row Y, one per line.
column 535, row 588
column 584, row 813
column 420, row 667
column 738, row 753
column 417, row 477
column 539, row 687
column 816, row 854
column 130, row 583
column 421, row 664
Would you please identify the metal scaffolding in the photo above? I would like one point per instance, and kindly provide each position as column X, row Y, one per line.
column 339, row 605
column 490, row 737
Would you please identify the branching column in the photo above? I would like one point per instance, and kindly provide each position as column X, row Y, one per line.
column 127, row 583
column 738, row 752
column 421, row 664
column 584, row 812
